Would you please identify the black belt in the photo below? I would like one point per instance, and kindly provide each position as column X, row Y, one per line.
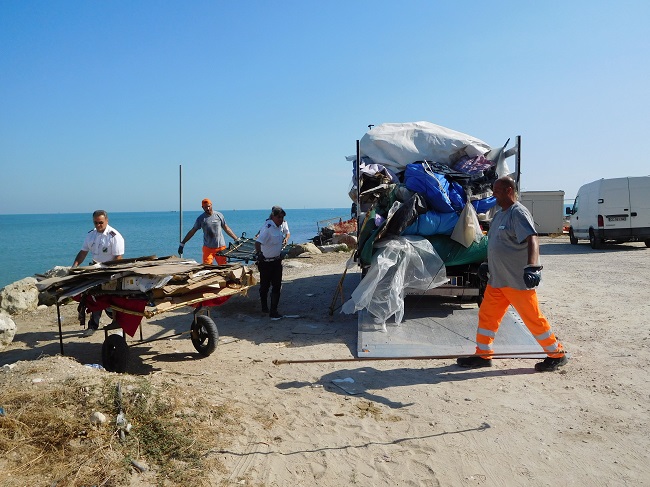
column 272, row 259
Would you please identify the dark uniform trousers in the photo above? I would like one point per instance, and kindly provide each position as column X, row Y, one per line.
column 270, row 278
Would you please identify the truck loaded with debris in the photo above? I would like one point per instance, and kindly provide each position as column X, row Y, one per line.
column 424, row 194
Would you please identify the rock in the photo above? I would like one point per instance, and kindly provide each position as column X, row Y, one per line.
column 57, row 271
column 333, row 248
column 97, row 418
column 46, row 298
column 7, row 330
column 19, row 296
column 298, row 249
column 345, row 239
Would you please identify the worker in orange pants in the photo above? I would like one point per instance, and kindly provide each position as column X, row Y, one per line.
column 493, row 309
column 513, row 272
column 214, row 226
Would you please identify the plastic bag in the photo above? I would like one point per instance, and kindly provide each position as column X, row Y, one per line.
column 399, row 263
column 468, row 228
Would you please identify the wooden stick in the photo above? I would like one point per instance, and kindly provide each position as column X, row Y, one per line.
column 426, row 357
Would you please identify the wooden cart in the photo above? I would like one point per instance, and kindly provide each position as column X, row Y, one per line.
column 133, row 289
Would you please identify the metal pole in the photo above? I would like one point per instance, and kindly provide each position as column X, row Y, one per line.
column 358, row 183
column 180, row 202
column 518, row 160
column 58, row 319
column 502, row 355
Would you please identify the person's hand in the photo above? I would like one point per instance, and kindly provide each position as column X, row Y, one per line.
column 483, row 272
column 180, row 248
column 532, row 275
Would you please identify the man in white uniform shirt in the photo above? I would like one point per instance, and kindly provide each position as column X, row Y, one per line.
column 284, row 227
column 105, row 244
column 269, row 245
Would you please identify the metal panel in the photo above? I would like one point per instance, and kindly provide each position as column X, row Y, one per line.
column 432, row 326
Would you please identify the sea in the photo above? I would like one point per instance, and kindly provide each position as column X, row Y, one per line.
column 33, row 244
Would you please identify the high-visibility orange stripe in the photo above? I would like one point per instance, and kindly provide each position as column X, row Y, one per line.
column 494, row 307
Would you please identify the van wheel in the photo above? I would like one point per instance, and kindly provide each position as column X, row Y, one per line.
column 572, row 237
column 647, row 243
column 596, row 243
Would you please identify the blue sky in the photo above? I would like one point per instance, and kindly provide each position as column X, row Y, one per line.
column 100, row 102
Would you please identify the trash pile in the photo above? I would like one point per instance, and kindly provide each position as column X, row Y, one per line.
column 147, row 286
column 420, row 182
column 331, row 231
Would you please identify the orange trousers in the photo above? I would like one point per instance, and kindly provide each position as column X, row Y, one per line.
column 493, row 309
column 210, row 255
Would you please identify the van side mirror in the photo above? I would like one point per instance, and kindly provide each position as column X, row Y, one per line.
column 569, row 211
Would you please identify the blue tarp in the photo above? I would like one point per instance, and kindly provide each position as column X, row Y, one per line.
column 441, row 195
column 432, row 223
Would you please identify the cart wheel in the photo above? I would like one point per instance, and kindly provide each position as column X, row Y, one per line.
column 115, row 353
column 204, row 335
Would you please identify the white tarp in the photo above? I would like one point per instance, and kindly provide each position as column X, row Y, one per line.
column 395, row 145
column 399, row 262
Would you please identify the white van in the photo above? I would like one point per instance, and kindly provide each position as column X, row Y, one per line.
column 616, row 210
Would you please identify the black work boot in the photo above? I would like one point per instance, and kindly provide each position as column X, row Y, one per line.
column 551, row 364
column 275, row 299
column 474, row 362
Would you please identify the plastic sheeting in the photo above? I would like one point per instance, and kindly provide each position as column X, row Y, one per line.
column 399, row 263
column 441, row 195
column 432, row 223
column 401, row 215
column 397, row 144
column 453, row 253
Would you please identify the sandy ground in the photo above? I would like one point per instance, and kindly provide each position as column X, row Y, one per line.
column 416, row 423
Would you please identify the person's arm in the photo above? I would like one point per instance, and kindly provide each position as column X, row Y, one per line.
column 533, row 271
column 230, row 233
column 79, row 258
column 189, row 235
column 533, row 249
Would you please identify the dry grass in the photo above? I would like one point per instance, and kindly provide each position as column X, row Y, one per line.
column 46, row 437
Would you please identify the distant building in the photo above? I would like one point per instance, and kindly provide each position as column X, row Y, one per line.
column 547, row 208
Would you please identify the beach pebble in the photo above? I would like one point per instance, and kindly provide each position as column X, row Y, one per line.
column 97, row 418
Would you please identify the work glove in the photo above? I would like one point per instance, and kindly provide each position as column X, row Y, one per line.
column 532, row 275
column 483, row 272
column 180, row 248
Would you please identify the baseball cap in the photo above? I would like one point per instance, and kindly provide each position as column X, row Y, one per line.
column 206, row 201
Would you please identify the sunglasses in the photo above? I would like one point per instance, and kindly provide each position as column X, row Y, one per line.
column 98, row 223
